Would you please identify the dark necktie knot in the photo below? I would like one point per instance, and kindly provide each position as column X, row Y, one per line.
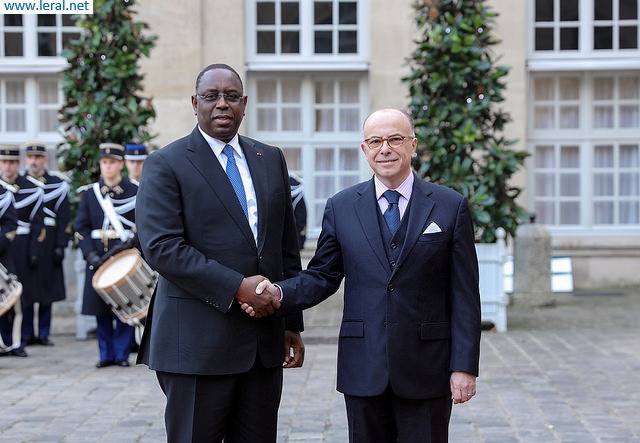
column 391, row 196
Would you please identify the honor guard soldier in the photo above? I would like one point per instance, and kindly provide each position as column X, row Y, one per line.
column 134, row 157
column 8, row 226
column 106, row 223
column 57, row 217
column 27, row 247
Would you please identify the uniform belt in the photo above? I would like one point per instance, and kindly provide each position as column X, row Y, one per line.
column 23, row 230
column 111, row 234
column 49, row 221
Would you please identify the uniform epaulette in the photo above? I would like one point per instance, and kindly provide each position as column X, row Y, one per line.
column 83, row 188
column 60, row 175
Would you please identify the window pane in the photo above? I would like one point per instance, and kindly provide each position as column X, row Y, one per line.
column 289, row 13
column 48, row 92
column 603, row 157
column 629, row 116
column 324, row 92
column 48, row 120
column 68, row 20
column 545, row 213
column 266, row 13
column 291, row 119
column 629, row 184
column 291, row 91
column 267, row 91
column 47, row 44
column 569, row 157
column 15, row 92
column 13, row 20
column 347, row 42
column 603, row 117
column 544, row 157
column 629, row 213
column 628, row 87
column 349, row 120
column 545, row 185
column 348, row 13
column 569, row 117
column 323, row 42
column 603, row 37
column 67, row 37
column 324, row 120
column 290, row 42
column 293, row 156
column 46, row 20
column 13, row 44
column 568, row 10
column 544, row 10
column 349, row 92
column 324, row 160
column 569, row 213
column 267, row 120
column 349, row 159
column 628, row 37
column 544, row 89
column 569, row 88
column 543, row 117
column 628, row 10
column 603, row 213
column 603, row 9
column 322, row 13
column 348, row 180
column 629, row 156
column 570, row 185
column 16, row 120
column 544, row 39
column 266, row 42
column 569, row 39
column 603, row 88
column 602, row 185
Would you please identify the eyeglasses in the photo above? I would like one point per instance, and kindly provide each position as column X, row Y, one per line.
column 395, row 141
column 230, row 97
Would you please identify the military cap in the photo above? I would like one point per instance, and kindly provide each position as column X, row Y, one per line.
column 111, row 150
column 9, row 152
column 36, row 148
column 135, row 152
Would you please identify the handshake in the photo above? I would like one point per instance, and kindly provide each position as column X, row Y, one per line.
column 258, row 297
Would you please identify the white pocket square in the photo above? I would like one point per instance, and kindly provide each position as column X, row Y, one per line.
column 432, row 228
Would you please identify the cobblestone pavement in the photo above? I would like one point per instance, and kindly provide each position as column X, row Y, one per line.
column 569, row 373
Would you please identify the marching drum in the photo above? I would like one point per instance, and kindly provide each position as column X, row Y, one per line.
column 126, row 282
column 10, row 290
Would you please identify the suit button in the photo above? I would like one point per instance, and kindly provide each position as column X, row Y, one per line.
column 390, row 288
column 394, row 245
column 393, row 264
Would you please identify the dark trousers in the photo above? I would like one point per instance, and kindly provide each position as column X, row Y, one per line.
column 388, row 418
column 44, row 321
column 6, row 327
column 114, row 338
column 239, row 408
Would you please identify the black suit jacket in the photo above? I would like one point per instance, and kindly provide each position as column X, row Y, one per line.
column 194, row 233
column 409, row 324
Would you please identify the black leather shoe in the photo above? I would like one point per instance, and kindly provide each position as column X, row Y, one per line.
column 19, row 353
column 123, row 363
column 32, row 341
column 104, row 364
column 44, row 341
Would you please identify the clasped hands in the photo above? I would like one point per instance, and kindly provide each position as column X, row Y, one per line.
column 258, row 297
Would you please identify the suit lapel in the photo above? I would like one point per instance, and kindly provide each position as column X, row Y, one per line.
column 200, row 155
column 366, row 207
column 421, row 206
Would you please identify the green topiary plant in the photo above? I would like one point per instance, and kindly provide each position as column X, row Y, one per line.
column 102, row 87
column 454, row 87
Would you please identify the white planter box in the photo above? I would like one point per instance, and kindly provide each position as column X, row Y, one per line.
column 493, row 298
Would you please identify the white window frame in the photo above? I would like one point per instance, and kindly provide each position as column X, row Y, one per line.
column 306, row 60
column 585, row 58
column 309, row 141
column 586, row 138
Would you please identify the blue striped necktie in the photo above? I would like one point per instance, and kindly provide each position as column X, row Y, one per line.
column 234, row 177
column 392, row 214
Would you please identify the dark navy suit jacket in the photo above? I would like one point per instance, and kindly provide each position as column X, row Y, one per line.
column 408, row 325
column 193, row 231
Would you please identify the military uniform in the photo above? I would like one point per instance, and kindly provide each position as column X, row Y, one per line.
column 299, row 208
column 97, row 237
column 8, row 226
column 50, row 274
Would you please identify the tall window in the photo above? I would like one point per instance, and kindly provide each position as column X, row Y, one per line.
column 316, row 119
column 585, row 129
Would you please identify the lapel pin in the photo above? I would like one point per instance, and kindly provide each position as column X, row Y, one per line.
column 259, row 154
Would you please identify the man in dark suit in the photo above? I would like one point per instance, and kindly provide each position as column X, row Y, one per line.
column 410, row 334
column 57, row 216
column 220, row 369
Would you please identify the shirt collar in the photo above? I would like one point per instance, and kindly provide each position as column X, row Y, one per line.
column 404, row 189
column 217, row 145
